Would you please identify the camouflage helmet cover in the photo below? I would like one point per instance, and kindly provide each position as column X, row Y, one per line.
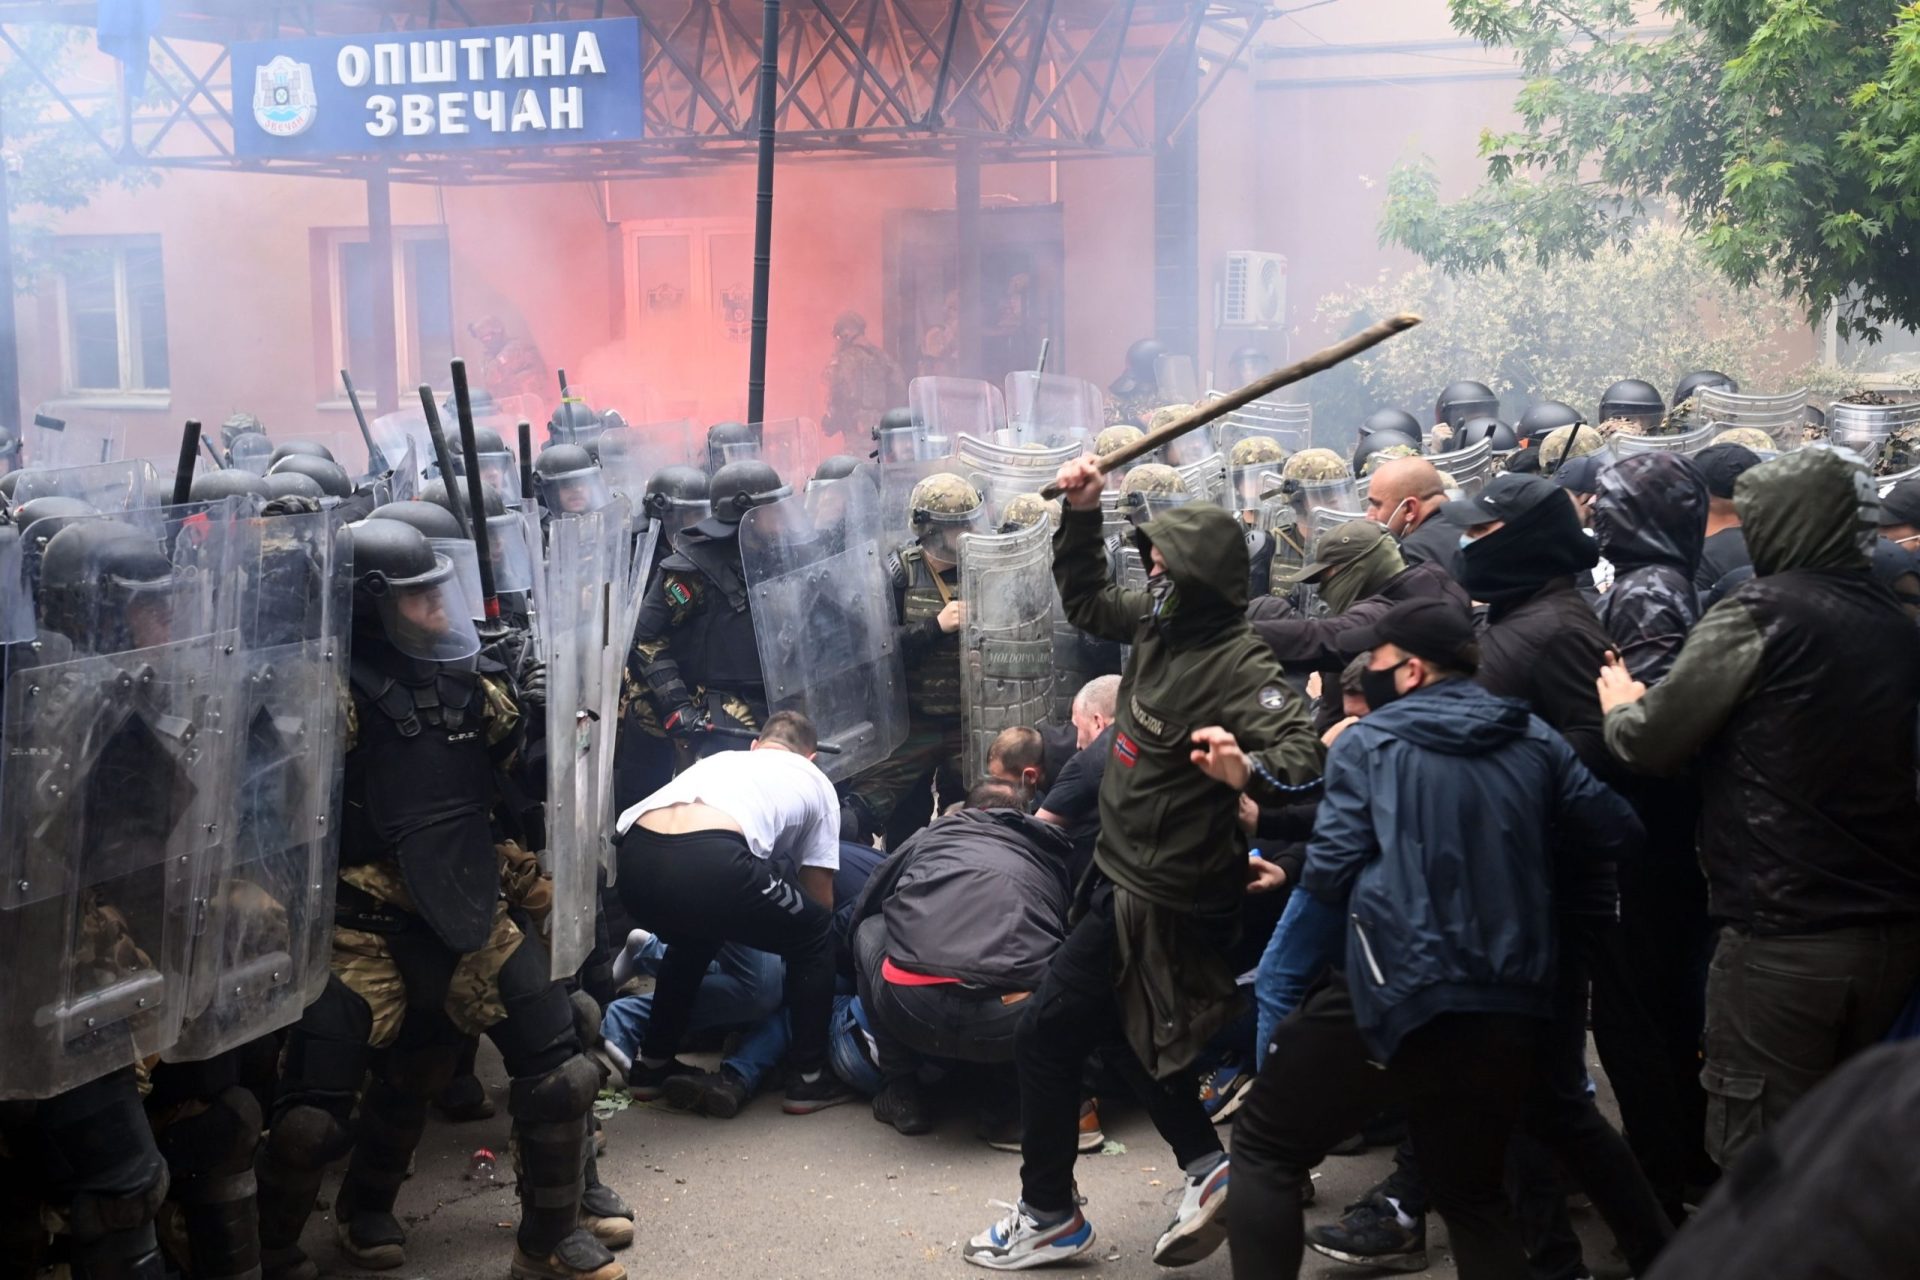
column 1316, row 466
column 944, row 498
column 1156, row 478
column 1116, row 438
column 1254, row 451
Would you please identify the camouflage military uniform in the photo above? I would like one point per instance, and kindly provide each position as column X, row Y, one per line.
column 694, row 645
column 862, row 384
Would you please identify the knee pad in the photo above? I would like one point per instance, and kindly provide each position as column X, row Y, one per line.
column 586, row 1018
column 220, row 1139
column 308, row 1138
column 95, row 1217
column 564, row 1093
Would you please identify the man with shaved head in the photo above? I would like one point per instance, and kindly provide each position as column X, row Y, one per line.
column 1406, row 495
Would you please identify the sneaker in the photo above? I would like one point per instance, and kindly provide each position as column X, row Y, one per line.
column 719, row 1094
column 1369, row 1234
column 578, row 1257
column 1018, row 1241
column 804, row 1097
column 647, row 1084
column 1222, row 1092
column 1092, row 1138
column 1198, row 1226
column 374, row 1241
column 900, row 1104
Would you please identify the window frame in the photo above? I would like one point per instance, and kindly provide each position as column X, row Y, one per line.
column 404, row 303
column 129, row 353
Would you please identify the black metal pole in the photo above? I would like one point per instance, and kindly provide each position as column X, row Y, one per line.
column 476, row 490
column 376, row 461
column 189, row 454
column 526, row 462
column 444, row 459
column 763, row 210
column 10, row 411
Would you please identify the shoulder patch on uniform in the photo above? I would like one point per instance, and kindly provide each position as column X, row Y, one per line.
column 678, row 593
column 1273, row 697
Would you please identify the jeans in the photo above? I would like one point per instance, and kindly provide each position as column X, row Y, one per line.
column 1075, row 1012
column 947, row 1021
column 741, row 988
column 1783, row 1012
column 849, row 1048
column 1307, row 941
column 1461, row 1077
column 702, row 890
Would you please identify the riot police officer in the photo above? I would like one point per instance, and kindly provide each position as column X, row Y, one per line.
column 1463, row 399
column 1253, row 466
column 425, row 949
column 1135, row 394
column 926, row 583
column 694, row 644
column 569, row 480
column 573, row 421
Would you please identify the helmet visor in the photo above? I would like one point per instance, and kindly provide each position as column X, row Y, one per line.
column 428, row 617
column 465, row 560
column 252, row 452
column 573, row 492
column 512, row 553
column 502, row 474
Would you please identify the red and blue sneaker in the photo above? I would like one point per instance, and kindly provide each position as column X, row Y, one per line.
column 1021, row 1240
column 1199, row 1226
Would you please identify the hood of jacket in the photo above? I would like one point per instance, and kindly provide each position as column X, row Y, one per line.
column 1454, row 717
column 1206, row 554
column 1515, row 561
column 1366, row 576
column 1652, row 509
column 1814, row 508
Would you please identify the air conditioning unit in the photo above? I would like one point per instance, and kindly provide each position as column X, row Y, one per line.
column 1254, row 295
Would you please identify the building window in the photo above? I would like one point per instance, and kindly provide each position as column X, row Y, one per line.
column 114, row 301
column 423, row 304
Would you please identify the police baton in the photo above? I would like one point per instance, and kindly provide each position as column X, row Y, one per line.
column 1258, row 389
column 376, row 461
column 444, row 460
column 753, row 735
column 476, row 489
column 189, row 454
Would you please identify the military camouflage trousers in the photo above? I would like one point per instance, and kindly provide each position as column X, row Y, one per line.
column 929, row 745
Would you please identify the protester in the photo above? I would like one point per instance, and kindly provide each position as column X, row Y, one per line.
column 1725, row 548
column 1795, row 702
column 1404, row 496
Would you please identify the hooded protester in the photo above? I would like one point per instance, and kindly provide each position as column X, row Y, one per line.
column 1795, row 703
column 1651, row 519
column 1143, row 975
column 1725, row 548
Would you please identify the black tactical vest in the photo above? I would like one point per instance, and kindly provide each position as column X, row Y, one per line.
column 716, row 647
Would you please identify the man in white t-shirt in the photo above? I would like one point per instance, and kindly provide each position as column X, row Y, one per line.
column 698, row 866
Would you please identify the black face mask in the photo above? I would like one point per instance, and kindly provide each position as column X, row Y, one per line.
column 1377, row 687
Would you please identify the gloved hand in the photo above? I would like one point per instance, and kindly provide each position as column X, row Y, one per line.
column 689, row 722
column 533, row 685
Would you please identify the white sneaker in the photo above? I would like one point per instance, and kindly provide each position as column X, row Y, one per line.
column 1017, row 1241
column 1198, row 1227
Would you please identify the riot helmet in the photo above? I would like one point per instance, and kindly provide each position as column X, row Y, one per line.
column 1462, row 400
column 1150, row 489
column 308, row 448
column 107, row 587
column 479, row 399
column 1024, row 510
column 676, row 496
column 1391, row 420
column 430, row 518
column 291, row 484
column 730, row 442
column 330, row 476
column 1563, row 444
column 212, row 486
column 1252, row 464
column 738, row 487
column 41, row 518
column 409, row 596
column 942, row 507
column 1246, row 364
column 1114, row 439
column 8, row 480
column 1484, row 427
column 1543, row 416
column 837, row 467
column 251, row 451
column 1632, row 399
column 1699, row 380
column 1143, row 363
column 573, row 421
column 237, row 425
column 569, row 480
column 1382, row 445
column 435, row 492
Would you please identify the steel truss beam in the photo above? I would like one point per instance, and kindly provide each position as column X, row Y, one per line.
column 905, row 79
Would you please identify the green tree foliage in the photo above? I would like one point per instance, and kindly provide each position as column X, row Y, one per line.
column 1564, row 329
column 1784, row 133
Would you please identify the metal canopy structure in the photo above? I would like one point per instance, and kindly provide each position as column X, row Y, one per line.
column 1007, row 80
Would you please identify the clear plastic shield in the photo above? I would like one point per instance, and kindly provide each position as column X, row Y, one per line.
column 263, row 955
column 1865, row 429
column 1051, row 410
column 575, row 628
column 403, row 483
column 629, row 456
column 395, row 432
column 1626, row 446
column 16, row 600
column 1206, row 480
column 465, row 559
column 1175, row 377
column 1784, row 417
column 1289, row 424
column 1002, row 472
column 251, row 452
column 1470, row 468
column 945, row 408
column 823, row 615
column 1006, row 643
column 105, row 486
column 110, row 785
column 54, row 442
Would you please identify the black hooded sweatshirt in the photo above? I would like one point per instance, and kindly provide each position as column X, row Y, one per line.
column 1651, row 519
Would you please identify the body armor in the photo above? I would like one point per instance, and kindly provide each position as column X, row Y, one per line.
column 933, row 680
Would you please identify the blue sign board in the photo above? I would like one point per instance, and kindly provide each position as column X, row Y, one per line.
column 543, row 84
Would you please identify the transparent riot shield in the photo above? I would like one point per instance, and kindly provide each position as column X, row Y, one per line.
column 1175, row 377
column 823, row 617
column 1001, row 472
column 1784, row 417
column 1051, row 410
column 1626, row 446
column 251, row 452
column 575, row 627
column 16, row 599
column 946, row 407
column 263, row 954
column 629, row 456
column 1289, row 424
column 403, row 482
column 54, row 442
column 105, row 486
column 1206, row 479
column 464, row 556
column 1866, row 428
column 1006, row 642
column 1470, row 468
column 111, row 793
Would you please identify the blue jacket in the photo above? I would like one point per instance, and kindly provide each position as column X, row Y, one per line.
column 1443, row 814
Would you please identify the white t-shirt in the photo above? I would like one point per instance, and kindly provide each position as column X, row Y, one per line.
column 782, row 803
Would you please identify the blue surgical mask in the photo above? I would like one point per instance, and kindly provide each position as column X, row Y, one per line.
column 1466, row 539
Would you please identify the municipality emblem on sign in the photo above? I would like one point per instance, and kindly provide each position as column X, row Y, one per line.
column 284, row 103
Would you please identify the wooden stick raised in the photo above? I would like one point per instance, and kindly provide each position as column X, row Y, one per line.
column 1258, row 389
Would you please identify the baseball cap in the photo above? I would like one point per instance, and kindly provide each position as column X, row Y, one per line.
column 1901, row 505
column 1582, row 474
column 1431, row 627
column 1506, row 497
column 1722, row 464
column 1336, row 548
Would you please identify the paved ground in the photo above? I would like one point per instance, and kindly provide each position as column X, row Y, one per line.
column 768, row 1197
